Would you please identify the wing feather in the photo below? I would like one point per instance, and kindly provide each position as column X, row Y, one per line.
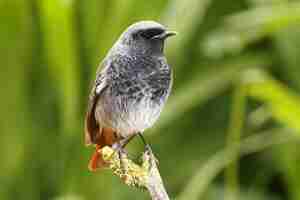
column 92, row 127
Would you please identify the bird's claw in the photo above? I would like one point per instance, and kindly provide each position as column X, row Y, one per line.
column 122, row 154
column 149, row 151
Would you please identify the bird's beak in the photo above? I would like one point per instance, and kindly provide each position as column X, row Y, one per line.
column 169, row 34
column 165, row 35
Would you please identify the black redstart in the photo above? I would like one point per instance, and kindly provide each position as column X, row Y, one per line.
column 132, row 85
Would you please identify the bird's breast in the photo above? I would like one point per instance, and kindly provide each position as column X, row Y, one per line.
column 128, row 116
column 136, row 94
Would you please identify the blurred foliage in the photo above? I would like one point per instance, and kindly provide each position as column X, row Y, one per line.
column 234, row 107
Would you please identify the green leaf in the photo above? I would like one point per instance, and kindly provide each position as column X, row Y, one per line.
column 283, row 103
column 61, row 49
column 233, row 36
column 203, row 177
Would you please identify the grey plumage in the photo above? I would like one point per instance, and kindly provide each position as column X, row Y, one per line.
column 132, row 84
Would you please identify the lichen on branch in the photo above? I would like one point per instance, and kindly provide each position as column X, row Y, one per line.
column 145, row 176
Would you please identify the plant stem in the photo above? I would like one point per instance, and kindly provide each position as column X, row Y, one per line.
column 233, row 140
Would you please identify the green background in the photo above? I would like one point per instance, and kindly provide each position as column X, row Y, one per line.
column 230, row 130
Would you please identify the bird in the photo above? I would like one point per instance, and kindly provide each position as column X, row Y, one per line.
column 132, row 85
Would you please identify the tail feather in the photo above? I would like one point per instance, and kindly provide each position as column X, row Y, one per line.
column 96, row 161
column 107, row 138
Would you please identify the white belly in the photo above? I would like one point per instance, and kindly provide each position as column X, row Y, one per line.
column 125, row 118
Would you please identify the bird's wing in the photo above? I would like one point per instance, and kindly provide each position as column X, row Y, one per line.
column 92, row 127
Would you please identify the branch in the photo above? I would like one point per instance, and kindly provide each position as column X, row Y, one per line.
column 145, row 176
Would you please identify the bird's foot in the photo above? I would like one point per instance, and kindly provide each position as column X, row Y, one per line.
column 148, row 150
column 122, row 154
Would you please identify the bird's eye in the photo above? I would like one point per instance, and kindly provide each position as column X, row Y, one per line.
column 150, row 33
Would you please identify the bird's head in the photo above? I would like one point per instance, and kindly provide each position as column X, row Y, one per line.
column 145, row 37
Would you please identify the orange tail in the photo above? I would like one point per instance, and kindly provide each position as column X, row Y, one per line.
column 107, row 139
column 96, row 161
